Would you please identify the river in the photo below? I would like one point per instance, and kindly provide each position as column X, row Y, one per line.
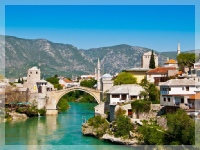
column 56, row 132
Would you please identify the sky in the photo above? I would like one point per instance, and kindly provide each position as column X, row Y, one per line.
column 156, row 26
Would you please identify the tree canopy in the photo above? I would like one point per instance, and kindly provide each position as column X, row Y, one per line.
column 54, row 80
column 181, row 127
column 150, row 93
column 181, row 130
column 152, row 61
column 186, row 59
column 88, row 83
column 125, row 78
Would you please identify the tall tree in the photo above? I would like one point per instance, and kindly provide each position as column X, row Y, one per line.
column 152, row 61
column 125, row 78
column 19, row 81
column 22, row 82
column 186, row 59
column 151, row 92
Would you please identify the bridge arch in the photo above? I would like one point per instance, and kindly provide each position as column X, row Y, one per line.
column 55, row 96
column 72, row 89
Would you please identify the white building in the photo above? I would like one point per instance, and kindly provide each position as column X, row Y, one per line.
column 123, row 93
column 175, row 92
column 146, row 59
column 66, row 83
column 106, row 82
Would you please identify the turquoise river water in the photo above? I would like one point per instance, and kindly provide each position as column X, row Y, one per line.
column 55, row 132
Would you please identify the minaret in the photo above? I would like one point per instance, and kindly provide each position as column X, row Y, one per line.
column 95, row 73
column 178, row 49
column 98, row 75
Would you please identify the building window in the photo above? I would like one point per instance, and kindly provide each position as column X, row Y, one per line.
column 187, row 88
column 168, row 99
column 133, row 97
column 30, row 72
column 169, row 89
column 36, row 72
column 182, row 88
column 164, row 99
column 182, row 100
column 123, row 96
column 115, row 96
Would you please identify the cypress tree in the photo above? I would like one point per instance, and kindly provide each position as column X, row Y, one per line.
column 152, row 61
column 19, row 81
column 22, row 82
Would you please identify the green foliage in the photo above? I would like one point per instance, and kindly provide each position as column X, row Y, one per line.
column 140, row 106
column 54, row 80
column 62, row 104
column 87, row 98
column 96, row 121
column 181, row 130
column 125, row 78
column 100, row 125
column 82, row 96
column 151, row 133
column 150, row 93
column 31, row 111
column 152, row 61
column 88, row 83
column 186, row 59
column 19, row 81
column 123, row 126
column 22, row 82
column 181, row 127
column 120, row 112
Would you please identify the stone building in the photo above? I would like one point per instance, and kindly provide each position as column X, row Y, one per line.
column 146, row 59
column 33, row 76
column 106, row 82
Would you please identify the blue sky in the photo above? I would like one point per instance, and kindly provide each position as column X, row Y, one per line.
column 158, row 27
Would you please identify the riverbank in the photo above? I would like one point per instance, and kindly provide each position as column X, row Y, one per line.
column 88, row 130
column 14, row 116
column 121, row 131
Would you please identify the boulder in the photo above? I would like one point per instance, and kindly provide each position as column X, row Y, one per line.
column 17, row 116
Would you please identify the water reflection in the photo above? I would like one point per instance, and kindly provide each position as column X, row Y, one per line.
column 56, row 132
column 33, row 131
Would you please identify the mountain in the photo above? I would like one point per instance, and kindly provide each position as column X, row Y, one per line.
column 53, row 58
column 66, row 60
column 119, row 57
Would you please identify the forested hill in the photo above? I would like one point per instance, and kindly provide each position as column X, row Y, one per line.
column 66, row 59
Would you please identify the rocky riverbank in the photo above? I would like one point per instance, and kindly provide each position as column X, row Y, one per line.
column 90, row 130
column 14, row 116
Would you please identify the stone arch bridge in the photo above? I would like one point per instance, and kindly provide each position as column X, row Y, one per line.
column 54, row 97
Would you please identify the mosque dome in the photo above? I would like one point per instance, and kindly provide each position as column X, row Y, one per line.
column 106, row 76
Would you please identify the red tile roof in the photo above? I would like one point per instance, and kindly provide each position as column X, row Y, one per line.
column 67, row 80
column 160, row 70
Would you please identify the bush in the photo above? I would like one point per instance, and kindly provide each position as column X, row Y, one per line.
column 141, row 106
column 123, row 126
column 100, row 125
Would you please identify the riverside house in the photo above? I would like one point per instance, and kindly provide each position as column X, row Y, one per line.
column 123, row 93
column 174, row 93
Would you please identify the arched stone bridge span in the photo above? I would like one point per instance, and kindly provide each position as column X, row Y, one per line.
column 54, row 97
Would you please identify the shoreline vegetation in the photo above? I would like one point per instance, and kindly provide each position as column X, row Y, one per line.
column 179, row 130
